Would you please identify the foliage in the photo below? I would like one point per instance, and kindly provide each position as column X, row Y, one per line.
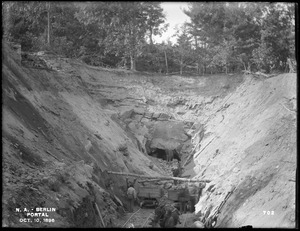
column 152, row 59
column 155, row 18
column 220, row 37
column 274, row 47
column 247, row 34
column 23, row 21
column 183, row 49
column 223, row 56
column 123, row 25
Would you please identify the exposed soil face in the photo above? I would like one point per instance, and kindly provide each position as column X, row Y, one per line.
column 66, row 124
column 257, row 134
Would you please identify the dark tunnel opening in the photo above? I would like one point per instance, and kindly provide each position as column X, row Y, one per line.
column 161, row 154
column 158, row 153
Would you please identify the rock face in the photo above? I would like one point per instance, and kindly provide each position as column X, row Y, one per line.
column 168, row 135
column 69, row 123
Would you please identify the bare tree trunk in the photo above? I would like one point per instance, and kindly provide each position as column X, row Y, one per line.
column 132, row 63
column 150, row 36
column 245, row 68
column 291, row 65
column 48, row 34
column 125, row 62
column 181, row 66
column 166, row 62
column 249, row 67
column 132, row 44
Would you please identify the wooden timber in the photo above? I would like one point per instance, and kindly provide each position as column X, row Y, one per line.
column 157, row 177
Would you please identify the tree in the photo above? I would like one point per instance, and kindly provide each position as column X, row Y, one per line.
column 183, row 49
column 221, row 36
column 249, row 33
column 207, row 20
column 224, row 54
column 155, row 18
column 37, row 27
column 49, row 24
column 206, row 28
column 24, row 21
column 124, row 24
column 276, row 37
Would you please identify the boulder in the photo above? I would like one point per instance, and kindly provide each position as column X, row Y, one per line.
column 168, row 135
column 197, row 224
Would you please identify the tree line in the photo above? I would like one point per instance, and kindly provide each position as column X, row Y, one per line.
column 220, row 37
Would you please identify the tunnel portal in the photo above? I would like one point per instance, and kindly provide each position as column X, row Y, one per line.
column 161, row 153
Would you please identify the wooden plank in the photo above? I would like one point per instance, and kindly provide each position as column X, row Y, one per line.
column 52, row 155
column 197, row 154
column 151, row 180
column 100, row 215
column 157, row 177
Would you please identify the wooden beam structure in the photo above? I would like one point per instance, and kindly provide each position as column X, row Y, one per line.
column 154, row 180
column 157, row 177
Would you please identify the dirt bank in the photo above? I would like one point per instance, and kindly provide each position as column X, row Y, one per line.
column 253, row 148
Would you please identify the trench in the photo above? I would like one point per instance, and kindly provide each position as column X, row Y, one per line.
column 81, row 210
column 158, row 147
column 154, row 134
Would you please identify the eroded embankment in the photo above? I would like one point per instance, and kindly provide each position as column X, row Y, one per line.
column 64, row 126
column 252, row 148
column 57, row 143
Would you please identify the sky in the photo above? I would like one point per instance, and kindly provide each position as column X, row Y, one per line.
column 175, row 17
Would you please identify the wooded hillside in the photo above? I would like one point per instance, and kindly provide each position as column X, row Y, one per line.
column 221, row 37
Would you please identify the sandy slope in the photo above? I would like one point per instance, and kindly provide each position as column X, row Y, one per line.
column 256, row 139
